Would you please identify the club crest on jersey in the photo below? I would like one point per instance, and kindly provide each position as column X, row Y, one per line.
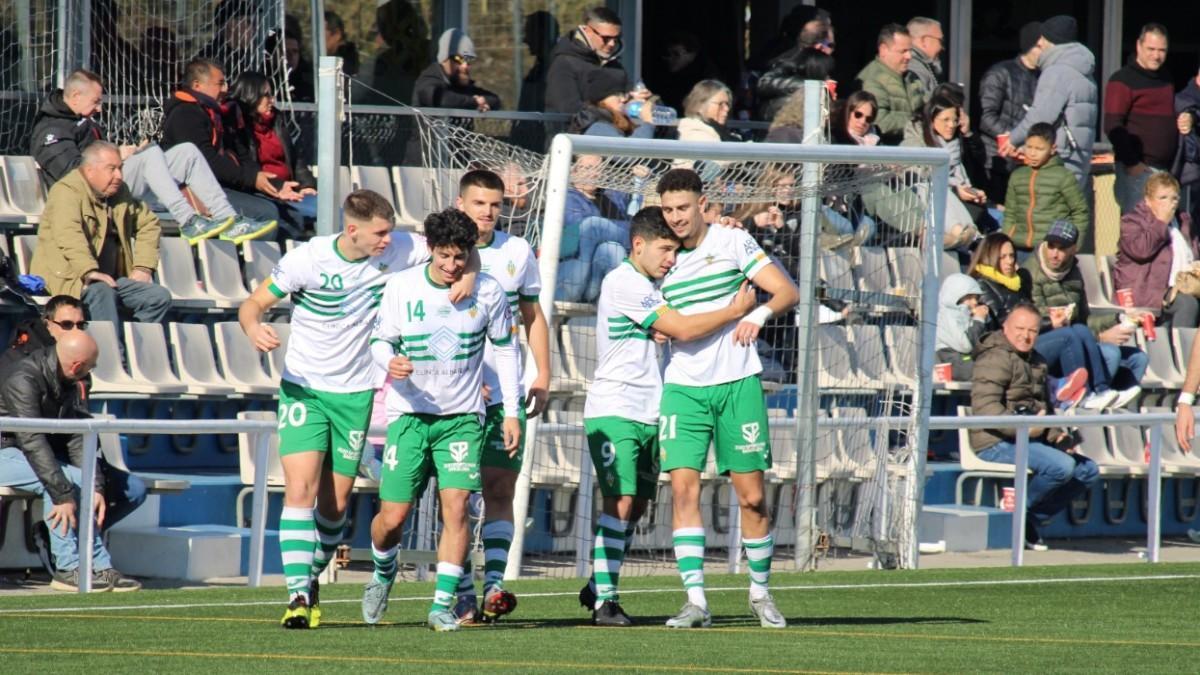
column 382, row 267
column 750, row 434
column 459, row 452
column 708, row 259
column 473, row 311
column 512, row 269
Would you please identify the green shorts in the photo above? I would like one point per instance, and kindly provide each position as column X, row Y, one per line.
column 732, row 416
column 625, row 454
column 419, row 446
column 494, row 454
column 311, row 420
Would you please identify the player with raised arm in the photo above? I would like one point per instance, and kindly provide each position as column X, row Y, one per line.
column 511, row 262
column 329, row 379
column 433, row 349
column 620, row 415
column 712, row 393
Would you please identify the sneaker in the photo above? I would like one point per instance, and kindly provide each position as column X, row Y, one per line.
column 246, row 229
column 1072, row 389
column 1099, row 400
column 119, row 582
column 296, row 616
column 497, row 603
column 466, row 610
column 610, row 614
column 833, row 242
column 768, row 615
column 64, row 580
column 1194, row 535
column 375, row 601
column 198, row 228
column 587, row 596
column 1033, row 538
column 1127, row 396
column 314, row 600
column 690, row 616
column 442, row 621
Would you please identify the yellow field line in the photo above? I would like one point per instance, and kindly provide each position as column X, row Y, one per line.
column 410, row 661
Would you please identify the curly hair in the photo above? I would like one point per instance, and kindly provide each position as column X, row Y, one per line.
column 450, row 228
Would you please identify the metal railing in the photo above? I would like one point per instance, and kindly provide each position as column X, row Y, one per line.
column 92, row 428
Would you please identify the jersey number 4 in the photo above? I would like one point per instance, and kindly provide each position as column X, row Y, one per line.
column 415, row 312
column 389, row 458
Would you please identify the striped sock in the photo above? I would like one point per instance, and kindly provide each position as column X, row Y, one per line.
column 758, row 558
column 447, row 580
column 329, row 537
column 497, row 538
column 466, row 583
column 689, row 555
column 297, row 539
column 607, row 554
column 385, row 563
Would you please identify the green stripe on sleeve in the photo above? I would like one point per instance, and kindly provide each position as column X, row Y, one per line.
column 653, row 316
column 275, row 290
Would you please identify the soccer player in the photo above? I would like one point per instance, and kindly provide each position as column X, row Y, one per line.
column 328, row 379
column 511, row 262
column 712, row 393
column 621, row 412
column 433, row 349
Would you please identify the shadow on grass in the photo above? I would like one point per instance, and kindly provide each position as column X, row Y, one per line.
column 659, row 621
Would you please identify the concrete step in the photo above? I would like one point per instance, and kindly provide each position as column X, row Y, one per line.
column 194, row 552
column 965, row 528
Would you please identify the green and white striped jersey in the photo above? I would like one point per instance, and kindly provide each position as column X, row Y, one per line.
column 628, row 379
column 445, row 343
column 510, row 261
column 705, row 279
column 336, row 301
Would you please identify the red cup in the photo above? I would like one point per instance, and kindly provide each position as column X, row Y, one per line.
column 831, row 86
column 1002, row 142
column 1125, row 297
column 1148, row 327
column 1009, row 501
column 942, row 373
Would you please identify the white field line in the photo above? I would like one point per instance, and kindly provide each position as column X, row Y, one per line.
column 805, row 587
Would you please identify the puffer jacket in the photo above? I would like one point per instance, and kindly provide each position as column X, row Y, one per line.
column 1004, row 89
column 1047, row 293
column 898, row 95
column 1038, row 197
column 566, row 80
column 59, row 137
column 1066, row 91
column 1144, row 254
column 1003, row 380
column 1001, row 300
column 32, row 388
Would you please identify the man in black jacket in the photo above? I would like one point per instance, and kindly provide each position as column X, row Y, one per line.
column 194, row 115
column 49, row 383
column 1004, row 91
column 63, row 313
column 447, row 83
column 594, row 44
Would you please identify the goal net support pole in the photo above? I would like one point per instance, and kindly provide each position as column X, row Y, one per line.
column 330, row 102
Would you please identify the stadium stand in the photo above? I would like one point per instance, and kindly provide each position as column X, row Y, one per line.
column 24, row 196
column 146, row 348
column 240, row 362
column 177, row 273
column 221, row 273
column 974, row 468
column 110, row 379
column 192, row 352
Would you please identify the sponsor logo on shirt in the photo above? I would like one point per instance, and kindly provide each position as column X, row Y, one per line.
column 750, row 434
column 650, row 302
column 50, row 139
column 459, row 451
column 351, row 454
column 751, row 246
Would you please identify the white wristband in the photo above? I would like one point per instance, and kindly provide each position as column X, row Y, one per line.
column 1186, row 398
column 759, row 315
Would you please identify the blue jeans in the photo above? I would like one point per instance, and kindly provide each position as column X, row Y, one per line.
column 1130, row 359
column 124, row 492
column 846, row 225
column 1070, row 347
column 296, row 215
column 1057, row 476
column 603, row 244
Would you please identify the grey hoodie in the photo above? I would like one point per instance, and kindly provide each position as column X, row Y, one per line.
column 1065, row 86
column 954, row 320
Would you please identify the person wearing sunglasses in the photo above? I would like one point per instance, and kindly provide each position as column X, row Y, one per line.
column 61, row 314
column 594, row 45
column 447, row 83
column 928, row 42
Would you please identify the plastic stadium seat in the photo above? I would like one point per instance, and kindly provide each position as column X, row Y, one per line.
column 1095, row 445
column 1094, row 285
column 907, row 268
column 950, row 264
column 416, row 195
column 275, row 356
column 22, row 186
column 110, row 449
column 1175, row 460
column 1162, row 371
column 109, row 376
column 857, row 452
column 901, row 344
column 23, row 247
column 872, row 270
column 972, row 466
column 177, row 273
column 1183, row 338
column 240, row 361
column 868, row 347
column 222, row 273
column 377, row 178
column 261, row 257
column 783, row 444
column 192, row 348
column 835, row 272
column 146, row 349
column 579, row 348
column 836, row 360
column 1127, row 444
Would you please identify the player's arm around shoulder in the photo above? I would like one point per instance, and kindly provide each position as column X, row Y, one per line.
column 685, row 327
column 767, row 276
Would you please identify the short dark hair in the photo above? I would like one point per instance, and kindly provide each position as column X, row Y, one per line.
column 481, row 178
column 365, row 205
column 1043, row 130
column 450, row 227
column 334, row 21
column 199, row 69
column 650, row 224
column 889, row 33
column 60, row 301
column 680, row 180
column 1153, row 27
column 601, row 14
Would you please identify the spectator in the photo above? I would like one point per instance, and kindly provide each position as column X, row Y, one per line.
column 1004, row 92
column 61, row 314
column 1066, row 97
column 448, row 83
column 1041, row 192
column 594, row 45
column 1156, row 244
column 684, row 65
column 540, row 34
column 404, row 37
column 1010, row 379
column 98, row 243
column 64, row 127
column 259, row 130
column 804, row 27
column 854, row 120
column 787, row 76
column 1058, row 292
column 1139, row 108
column 595, row 235
column 928, row 41
column 897, row 91
column 1004, row 285
column 1187, row 163
column 962, row 320
column 603, row 114
column 235, row 31
column 338, row 44
column 299, row 73
column 706, row 110
column 787, row 126
column 49, row 383
column 195, row 115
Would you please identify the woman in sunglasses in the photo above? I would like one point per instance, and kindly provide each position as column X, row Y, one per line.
column 854, row 120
